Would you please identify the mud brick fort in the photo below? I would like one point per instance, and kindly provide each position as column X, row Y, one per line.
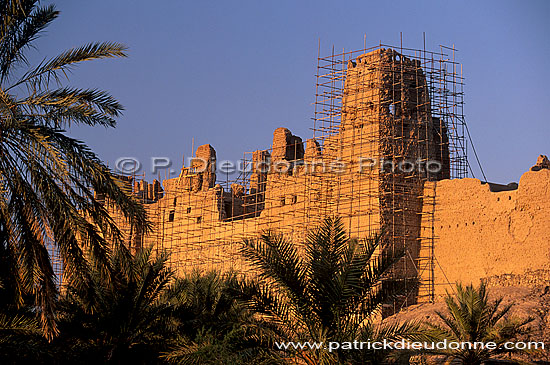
column 388, row 152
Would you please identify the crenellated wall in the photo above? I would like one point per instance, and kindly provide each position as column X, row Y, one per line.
column 481, row 230
column 457, row 230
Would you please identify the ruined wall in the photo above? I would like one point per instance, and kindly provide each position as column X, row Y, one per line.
column 481, row 230
column 503, row 236
column 386, row 117
column 452, row 230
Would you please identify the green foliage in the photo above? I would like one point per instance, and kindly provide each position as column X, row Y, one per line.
column 213, row 327
column 127, row 314
column 209, row 348
column 330, row 291
column 473, row 318
column 21, row 339
column 137, row 312
column 47, row 178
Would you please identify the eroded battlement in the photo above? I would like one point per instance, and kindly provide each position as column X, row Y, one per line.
column 371, row 105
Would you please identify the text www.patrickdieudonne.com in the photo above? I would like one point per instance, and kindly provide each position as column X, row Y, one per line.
column 406, row 345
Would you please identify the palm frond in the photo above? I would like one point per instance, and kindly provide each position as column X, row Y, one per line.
column 53, row 69
column 47, row 179
column 341, row 279
column 278, row 261
column 61, row 107
column 472, row 318
column 23, row 29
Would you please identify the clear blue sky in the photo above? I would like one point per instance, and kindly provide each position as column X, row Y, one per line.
column 229, row 72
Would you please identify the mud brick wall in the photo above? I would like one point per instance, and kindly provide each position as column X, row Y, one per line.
column 470, row 231
column 500, row 235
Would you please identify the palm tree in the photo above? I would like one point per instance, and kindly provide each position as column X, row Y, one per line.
column 332, row 291
column 472, row 318
column 213, row 327
column 47, row 178
column 127, row 316
column 21, row 340
column 205, row 301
